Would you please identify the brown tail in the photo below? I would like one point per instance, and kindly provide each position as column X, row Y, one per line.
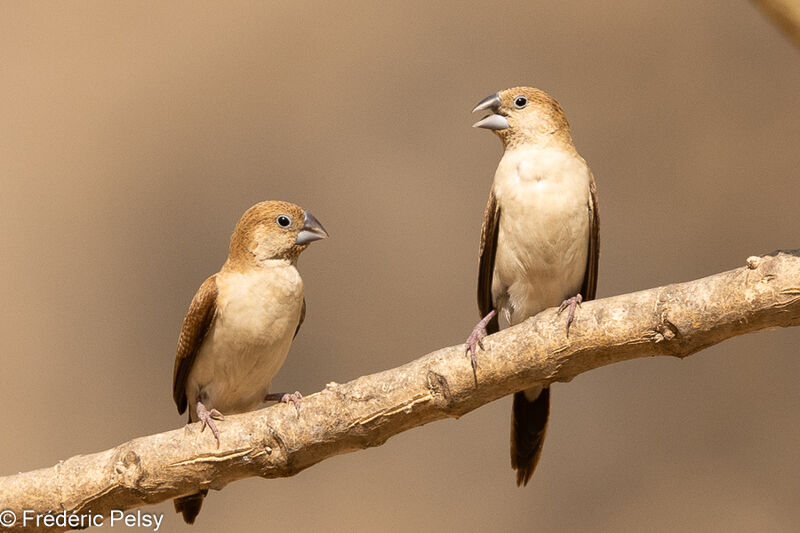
column 528, row 428
column 189, row 506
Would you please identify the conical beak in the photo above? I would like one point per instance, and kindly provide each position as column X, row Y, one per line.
column 494, row 121
column 312, row 230
column 490, row 102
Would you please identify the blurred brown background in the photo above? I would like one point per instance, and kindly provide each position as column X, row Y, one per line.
column 134, row 135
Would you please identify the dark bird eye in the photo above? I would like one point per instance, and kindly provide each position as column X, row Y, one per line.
column 520, row 102
column 283, row 221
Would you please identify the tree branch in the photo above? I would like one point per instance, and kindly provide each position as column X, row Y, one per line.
column 786, row 14
column 676, row 320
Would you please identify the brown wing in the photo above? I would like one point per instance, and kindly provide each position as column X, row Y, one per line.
column 590, row 280
column 302, row 317
column 488, row 250
column 196, row 326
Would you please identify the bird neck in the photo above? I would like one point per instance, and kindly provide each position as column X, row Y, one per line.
column 544, row 138
column 252, row 264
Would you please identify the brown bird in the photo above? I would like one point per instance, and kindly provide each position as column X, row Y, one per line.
column 242, row 321
column 539, row 240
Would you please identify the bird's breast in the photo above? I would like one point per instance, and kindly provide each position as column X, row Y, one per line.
column 257, row 315
column 543, row 238
column 259, row 307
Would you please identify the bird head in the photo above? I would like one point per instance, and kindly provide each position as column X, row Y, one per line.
column 523, row 115
column 273, row 230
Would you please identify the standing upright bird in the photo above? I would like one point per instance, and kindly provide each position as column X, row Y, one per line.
column 241, row 322
column 539, row 240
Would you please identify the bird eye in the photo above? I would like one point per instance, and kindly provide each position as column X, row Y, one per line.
column 283, row 221
column 520, row 102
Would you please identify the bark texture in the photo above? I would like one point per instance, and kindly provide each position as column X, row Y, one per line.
column 676, row 320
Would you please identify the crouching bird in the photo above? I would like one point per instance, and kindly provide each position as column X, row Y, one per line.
column 242, row 321
column 539, row 240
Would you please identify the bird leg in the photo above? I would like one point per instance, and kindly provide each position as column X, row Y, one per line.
column 570, row 303
column 207, row 418
column 475, row 340
column 285, row 397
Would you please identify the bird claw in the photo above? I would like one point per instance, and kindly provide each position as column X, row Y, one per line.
column 571, row 304
column 475, row 340
column 294, row 399
column 286, row 398
column 207, row 418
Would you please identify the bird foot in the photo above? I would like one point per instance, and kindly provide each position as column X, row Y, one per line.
column 475, row 340
column 207, row 418
column 571, row 304
column 286, row 398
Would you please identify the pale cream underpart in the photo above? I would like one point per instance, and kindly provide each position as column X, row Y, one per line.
column 257, row 315
column 543, row 240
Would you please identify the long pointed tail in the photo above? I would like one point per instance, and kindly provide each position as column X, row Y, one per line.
column 528, row 428
column 189, row 506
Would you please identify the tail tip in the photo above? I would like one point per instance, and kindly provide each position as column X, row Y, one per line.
column 189, row 506
column 524, row 474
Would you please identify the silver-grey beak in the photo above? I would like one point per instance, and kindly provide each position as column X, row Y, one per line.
column 490, row 102
column 494, row 121
column 312, row 230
